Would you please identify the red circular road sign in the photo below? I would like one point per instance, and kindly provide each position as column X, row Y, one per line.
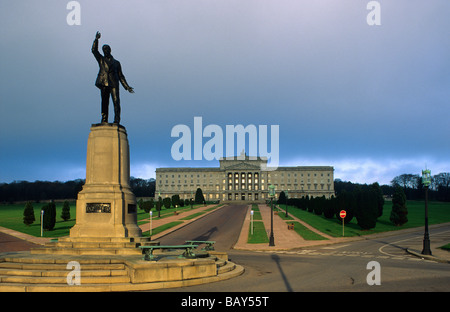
column 342, row 214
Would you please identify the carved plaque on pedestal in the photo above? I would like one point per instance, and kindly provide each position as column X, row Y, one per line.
column 98, row 207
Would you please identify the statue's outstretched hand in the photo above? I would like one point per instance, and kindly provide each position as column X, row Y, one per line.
column 98, row 35
column 130, row 89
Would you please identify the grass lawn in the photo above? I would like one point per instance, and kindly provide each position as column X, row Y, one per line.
column 438, row 212
column 306, row 233
column 166, row 212
column 256, row 213
column 194, row 215
column 259, row 234
column 11, row 217
column 282, row 212
column 161, row 228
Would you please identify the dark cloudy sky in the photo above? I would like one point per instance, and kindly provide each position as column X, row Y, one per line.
column 372, row 101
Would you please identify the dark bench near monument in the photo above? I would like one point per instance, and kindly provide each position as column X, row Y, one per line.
column 209, row 244
column 147, row 251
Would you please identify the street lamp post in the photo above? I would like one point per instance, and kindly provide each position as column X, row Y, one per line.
column 286, row 203
column 42, row 222
column 151, row 214
column 426, row 180
column 271, row 195
column 251, row 221
column 159, row 205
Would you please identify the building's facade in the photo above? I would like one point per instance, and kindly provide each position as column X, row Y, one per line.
column 243, row 178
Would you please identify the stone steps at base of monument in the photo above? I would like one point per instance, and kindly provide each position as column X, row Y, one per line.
column 30, row 274
column 31, row 269
column 90, row 245
column 57, row 273
column 16, row 272
column 105, row 239
column 226, row 267
column 95, row 246
column 63, row 279
column 86, row 251
column 117, row 287
column 220, row 263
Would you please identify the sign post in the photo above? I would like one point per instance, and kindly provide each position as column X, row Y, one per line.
column 342, row 214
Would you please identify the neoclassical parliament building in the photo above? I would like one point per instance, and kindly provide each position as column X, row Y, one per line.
column 243, row 179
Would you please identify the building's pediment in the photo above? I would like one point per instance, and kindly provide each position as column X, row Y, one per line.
column 242, row 166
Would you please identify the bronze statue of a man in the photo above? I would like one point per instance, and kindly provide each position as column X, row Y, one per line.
column 108, row 78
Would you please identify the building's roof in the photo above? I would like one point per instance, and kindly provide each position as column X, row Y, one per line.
column 244, row 162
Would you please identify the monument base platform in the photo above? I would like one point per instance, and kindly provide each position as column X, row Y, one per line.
column 27, row 272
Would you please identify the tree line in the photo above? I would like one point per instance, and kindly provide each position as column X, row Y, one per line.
column 413, row 187
column 20, row 191
column 173, row 201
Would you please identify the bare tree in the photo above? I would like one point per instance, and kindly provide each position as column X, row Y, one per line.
column 406, row 181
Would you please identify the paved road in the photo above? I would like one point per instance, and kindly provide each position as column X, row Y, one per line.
column 338, row 267
column 10, row 243
column 222, row 226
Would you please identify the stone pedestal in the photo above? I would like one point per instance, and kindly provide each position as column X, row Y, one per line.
column 106, row 207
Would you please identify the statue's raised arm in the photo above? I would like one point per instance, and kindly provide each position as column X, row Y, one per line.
column 95, row 46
